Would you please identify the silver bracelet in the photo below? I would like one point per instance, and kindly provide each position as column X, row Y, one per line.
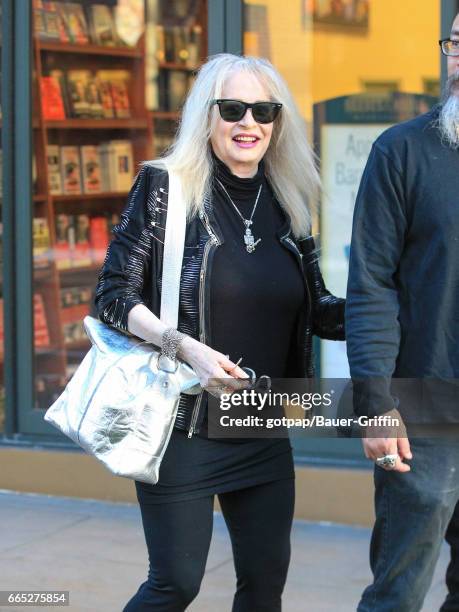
column 170, row 342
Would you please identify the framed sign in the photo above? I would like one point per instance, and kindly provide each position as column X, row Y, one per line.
column 338, row 13
column 344, row 131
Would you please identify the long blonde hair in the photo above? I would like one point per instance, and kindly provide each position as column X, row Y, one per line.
column 289, row 160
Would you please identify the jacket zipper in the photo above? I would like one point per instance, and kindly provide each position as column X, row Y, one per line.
column 213, row 240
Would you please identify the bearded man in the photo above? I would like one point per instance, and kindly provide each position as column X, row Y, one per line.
column 402, row 323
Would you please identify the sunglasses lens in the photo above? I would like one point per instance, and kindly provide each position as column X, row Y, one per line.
column 265, row 112
column 231, row 110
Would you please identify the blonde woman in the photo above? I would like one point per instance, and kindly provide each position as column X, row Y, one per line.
column 250, row 287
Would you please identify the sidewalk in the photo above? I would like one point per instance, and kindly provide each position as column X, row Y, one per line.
column 96, row 551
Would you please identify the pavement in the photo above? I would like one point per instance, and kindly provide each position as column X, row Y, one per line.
column 96, row 551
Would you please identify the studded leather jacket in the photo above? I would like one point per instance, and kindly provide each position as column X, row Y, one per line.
column 131, row 274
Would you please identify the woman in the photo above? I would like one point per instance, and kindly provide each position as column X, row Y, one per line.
column 250, row 288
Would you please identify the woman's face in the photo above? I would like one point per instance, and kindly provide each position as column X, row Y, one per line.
column 241, row 144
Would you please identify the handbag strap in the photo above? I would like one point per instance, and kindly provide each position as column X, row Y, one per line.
column 174, row 243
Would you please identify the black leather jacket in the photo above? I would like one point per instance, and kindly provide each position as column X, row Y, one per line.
column 131, row 274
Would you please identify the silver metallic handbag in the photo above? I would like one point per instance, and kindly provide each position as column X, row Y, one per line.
column 121, row 403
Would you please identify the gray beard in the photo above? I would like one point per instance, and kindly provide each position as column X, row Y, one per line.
column 448, row 120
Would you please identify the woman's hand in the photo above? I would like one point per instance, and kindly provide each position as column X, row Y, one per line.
column 211, row 366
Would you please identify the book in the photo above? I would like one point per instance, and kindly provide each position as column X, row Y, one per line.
column 119, row 83
column 117, row 165
column 194, row 46
column 62, row 246
column 39, row 19
column 105, row 91
column 90, row 166
column 179, row 44
column 160, row 44
column 51, row 97
column 64, row 35
column 59, row 77
column 99, row 238
column 81, row 255
column 54, row 169
column 76, row 24
column 102, row 25
column 41, row 242
column 70, row 170
column 130, row 21
column 120, row 97
column 41, row 331
column 177, row 89
column 77, row 87
column 75, row 304
column 94, row 99
column 52, row 21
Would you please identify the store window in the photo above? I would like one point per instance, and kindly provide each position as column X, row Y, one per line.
column 2, row 352
column 354, row 67
column 109, row 79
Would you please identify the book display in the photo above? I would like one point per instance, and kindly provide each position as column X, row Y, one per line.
column 176, row 39
column 107, row 96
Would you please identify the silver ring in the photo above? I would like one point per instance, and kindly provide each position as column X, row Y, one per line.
column 387, row 462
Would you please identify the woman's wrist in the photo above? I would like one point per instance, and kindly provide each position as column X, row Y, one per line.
column 171, row 341
column 185, row 350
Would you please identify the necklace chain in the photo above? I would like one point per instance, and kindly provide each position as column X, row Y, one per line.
column 249, row 240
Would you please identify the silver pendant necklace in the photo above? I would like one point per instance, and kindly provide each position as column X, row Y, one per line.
column 249, row 239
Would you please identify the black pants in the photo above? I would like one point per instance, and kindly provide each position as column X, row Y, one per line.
column 178, row 535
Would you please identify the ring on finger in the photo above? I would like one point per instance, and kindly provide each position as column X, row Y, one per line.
column 387, row 462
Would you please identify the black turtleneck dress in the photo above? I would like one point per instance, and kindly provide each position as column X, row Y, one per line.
column 255, row 301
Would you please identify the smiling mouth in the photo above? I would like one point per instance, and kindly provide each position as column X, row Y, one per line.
column 248, row 139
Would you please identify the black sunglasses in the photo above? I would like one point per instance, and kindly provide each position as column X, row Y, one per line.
column 234, row 110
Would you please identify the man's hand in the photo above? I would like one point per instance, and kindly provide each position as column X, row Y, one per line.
column 380, row 441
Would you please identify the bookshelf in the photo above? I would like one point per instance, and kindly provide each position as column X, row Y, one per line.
column 107, row 92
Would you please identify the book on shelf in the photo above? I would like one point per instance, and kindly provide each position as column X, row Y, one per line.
column 59, row 76
column 173, row 87
column 102, row 25
column 76, row 24
column 130, row 21
column 91, row 172
column 119, row 84
column 41, row 331
column 39, row 19
column 71, row 170
column 81, row 254
column 54, row 169
column 160, row 38
column 178, row 84
column 194, row 46
column 64, row 241
column 77, row 87
column 99, row 238
column 117, row 163
column 41, row 242
column 99, row 23
column 108, row 108
column 52, row 98
column 75, row 305
column 52, row 21
column 63, row 25
column 94, row 99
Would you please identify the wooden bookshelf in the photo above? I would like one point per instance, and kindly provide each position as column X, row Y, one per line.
column 52, row 283
column 59, row 285
column 57, row 47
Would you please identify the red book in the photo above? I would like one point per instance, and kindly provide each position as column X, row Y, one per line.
column 41, row 332
column 52, row 100
column 99, row 239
